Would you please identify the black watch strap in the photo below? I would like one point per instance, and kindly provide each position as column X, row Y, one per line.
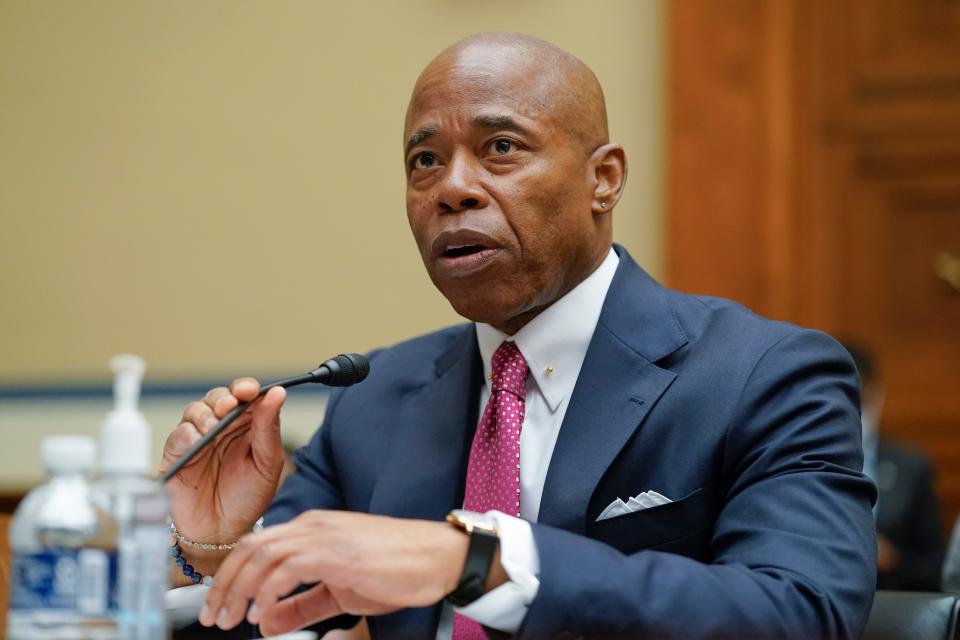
column 483, row 546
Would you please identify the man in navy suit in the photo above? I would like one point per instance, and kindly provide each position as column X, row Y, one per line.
column 743, row 432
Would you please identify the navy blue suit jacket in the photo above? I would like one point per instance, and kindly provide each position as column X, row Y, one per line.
column 750, row 425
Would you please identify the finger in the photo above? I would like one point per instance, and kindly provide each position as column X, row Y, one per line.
column 178, row 442
column 231, row 566
column 284, row 578
column 265, row 429
column 200, row 415
column 299, row 611
column 220, row 400
column 269, row 558
column 245, row 389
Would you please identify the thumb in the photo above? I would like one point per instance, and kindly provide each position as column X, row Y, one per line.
column 298, row 611
column 265, row 426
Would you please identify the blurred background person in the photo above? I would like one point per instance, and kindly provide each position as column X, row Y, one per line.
column 909, row 528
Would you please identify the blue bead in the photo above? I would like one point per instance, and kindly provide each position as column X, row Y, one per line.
column 175, row 551
column 187, row 570
column 196, row 578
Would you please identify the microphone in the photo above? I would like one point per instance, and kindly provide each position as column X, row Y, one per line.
column 340, row 371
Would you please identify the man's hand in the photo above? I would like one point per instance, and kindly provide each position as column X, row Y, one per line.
column 228, row 486
column 359, row 563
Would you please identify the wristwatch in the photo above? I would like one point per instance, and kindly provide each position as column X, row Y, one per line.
column 484, row 539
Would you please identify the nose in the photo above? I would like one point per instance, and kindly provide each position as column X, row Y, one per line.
column 460, row 188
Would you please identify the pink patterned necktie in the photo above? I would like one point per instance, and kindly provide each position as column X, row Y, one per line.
column 493, row 471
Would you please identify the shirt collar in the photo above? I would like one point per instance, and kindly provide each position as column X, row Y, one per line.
column 555, row 342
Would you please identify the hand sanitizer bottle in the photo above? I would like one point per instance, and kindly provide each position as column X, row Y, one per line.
column 140, row 506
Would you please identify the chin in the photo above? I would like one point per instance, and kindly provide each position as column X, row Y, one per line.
column 484, row 310
column 476, row 310
column 481, row 301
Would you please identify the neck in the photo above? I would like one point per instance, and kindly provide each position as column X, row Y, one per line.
column 513, row 324
column 518, row 322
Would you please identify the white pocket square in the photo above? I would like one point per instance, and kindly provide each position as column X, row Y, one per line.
column 639, row 502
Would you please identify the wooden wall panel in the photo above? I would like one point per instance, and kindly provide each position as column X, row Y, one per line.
column 730, row 126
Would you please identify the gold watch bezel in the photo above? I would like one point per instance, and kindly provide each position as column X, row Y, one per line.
column 470, row 521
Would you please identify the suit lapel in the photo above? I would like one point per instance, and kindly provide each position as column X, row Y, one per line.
column 618, row 385
column 425, row 472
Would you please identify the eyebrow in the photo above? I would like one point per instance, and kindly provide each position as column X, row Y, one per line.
column 418, row 137
column 499, row 122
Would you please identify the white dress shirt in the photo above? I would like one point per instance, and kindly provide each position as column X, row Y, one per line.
column 554, row 345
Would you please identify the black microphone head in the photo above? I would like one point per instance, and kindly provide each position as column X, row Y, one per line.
column 360, row 364
column 342, row 370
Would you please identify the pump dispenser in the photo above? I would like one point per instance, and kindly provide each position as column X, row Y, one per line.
column 138, row 503
column 125, row 436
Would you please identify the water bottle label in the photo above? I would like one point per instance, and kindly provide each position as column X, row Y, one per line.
column 81, row 580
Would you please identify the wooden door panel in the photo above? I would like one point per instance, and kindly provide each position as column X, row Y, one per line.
column 919, row 302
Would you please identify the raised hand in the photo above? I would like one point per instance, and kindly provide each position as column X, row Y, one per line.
column 228, row 486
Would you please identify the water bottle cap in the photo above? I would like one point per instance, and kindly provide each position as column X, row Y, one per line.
column 69, row 454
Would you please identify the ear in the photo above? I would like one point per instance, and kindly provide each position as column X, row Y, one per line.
column 609, row 164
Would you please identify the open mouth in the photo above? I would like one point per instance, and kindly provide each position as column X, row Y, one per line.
column 464, row 259
column 459, row 251
column 462, row 252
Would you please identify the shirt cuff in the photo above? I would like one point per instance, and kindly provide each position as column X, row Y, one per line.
column 183, row 604
column 504, row 608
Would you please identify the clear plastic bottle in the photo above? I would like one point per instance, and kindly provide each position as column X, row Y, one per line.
column 139, row 505
column 63, row 553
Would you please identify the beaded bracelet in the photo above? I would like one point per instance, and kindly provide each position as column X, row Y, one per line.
column 195, row 576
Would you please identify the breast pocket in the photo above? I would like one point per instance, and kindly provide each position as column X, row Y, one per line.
column 683, row 527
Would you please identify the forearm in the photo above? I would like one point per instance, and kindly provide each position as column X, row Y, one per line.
column 590, row 589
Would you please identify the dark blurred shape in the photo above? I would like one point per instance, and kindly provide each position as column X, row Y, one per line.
column 951, row 564
column 899, row 615
column 909, row 530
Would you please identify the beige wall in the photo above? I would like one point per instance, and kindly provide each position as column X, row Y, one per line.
column 218, row 185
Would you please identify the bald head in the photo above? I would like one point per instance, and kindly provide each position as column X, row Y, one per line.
column 511, row 178
column 540, row 76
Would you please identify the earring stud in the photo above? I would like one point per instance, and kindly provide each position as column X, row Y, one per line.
column 603, row 205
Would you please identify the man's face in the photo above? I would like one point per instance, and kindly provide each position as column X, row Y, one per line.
column 499, row 191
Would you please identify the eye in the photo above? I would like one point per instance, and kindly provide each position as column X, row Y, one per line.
column 502, row 146
column 424, row 160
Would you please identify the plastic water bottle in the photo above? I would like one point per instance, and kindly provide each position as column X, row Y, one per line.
column 139, row 505
column 63, row 553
